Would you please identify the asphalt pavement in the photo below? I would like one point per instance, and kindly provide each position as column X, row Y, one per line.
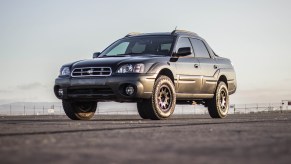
column 246, row 138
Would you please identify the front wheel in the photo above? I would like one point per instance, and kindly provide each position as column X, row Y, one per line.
column 143, row 109
column 218, row 106
column 79, row 110
column 163, row 101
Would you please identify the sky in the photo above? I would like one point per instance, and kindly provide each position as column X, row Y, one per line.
column 37, row 37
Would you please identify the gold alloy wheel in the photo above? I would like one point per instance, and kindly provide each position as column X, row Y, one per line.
column 165, row 98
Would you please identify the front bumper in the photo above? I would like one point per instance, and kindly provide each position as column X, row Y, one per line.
column 110, row 88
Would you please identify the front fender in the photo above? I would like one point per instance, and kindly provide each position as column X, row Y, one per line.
column 158, row 67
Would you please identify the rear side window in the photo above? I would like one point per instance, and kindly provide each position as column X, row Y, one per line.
column 200, row 49
column 183, row 42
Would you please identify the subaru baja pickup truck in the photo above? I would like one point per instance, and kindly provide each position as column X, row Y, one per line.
column 155, row 70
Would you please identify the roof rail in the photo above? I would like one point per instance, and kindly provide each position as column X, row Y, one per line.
column 133, row 34
column 183, row 32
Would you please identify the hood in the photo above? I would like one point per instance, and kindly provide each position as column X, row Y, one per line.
column 114, row 62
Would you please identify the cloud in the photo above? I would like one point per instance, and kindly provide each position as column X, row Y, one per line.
column 30, row 86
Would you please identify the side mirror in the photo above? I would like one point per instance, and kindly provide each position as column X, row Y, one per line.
column 183, row 51
column 96, row 54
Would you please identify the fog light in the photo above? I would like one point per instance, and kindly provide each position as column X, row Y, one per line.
column 129, row 90
column 60, row 92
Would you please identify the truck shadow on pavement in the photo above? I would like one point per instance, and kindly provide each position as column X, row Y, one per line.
column 95, row 119
column 136, row 126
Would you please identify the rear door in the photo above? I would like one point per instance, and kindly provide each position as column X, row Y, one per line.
column 208, row 66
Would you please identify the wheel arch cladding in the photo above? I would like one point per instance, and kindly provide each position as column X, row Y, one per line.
column 166, row 72
column 223, row 78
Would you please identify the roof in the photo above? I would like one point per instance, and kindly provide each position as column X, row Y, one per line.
column 175, row 33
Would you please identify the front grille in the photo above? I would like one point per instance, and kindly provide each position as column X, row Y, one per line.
column 91, row 71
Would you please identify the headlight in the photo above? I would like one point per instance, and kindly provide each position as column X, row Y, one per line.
column 65, row 71
column 131, row 68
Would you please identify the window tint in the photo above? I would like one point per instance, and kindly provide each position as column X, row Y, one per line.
column 199, row 48
column 147, row 45
column 183, row 42
column 138, row 48
column 166, row 47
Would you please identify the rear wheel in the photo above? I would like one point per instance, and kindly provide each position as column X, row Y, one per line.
column 218, row 106
column 79, row 110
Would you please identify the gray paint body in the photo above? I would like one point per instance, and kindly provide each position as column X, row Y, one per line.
column 194, row 78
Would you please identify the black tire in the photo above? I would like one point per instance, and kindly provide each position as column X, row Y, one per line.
column 218, row 106
column 143, row 110
column 79, row 110
column 163, row 101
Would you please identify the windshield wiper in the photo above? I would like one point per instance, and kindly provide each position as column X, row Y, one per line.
column 133, row 53
column 122, row 55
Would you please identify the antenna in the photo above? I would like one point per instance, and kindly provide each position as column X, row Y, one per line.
column 173, row 32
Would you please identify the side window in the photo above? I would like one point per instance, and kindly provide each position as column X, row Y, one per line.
column 200, row 49
column 184, row 42
column 120, row 49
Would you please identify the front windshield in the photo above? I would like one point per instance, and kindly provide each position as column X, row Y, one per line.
column 142, row 45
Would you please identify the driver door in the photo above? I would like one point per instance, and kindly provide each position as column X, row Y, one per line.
column 187, row 69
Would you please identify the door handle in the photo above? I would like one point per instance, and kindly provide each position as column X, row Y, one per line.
column 215, row 66
column 196, row 65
